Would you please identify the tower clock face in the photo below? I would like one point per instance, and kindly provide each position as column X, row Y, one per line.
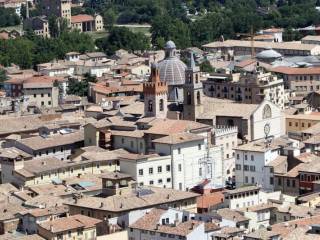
column 267, row 129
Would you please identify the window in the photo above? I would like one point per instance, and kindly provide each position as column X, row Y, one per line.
column 252, row 158
column 122, row 140
column 252, row 180
column 140, row 172
column 179, row 150
column 161, row 104
column 199, row 146
column 150, row 170
column 271, row 180
column 179, row 168
column 246, row 167
column 131, row 144
column 290, row 124
column 151, row 182
column 279, row 181
column 80, row 231
column 288, row 182
column 168, row 168
column 297, row 124
column 293, row 183
column 49, row 102
column 252, row 168
column 150, row 106
column 246, row 179
column 69, row 233
column 309, row 124
column 34, row 95
column 245, row 157
column 200, row 171
column 238, row 167
column 42, row 103
column 180, row 186
column 49, row 94
column 188, row 98
column 238, row 156
column 198, row 98
column 159, row 181
column 168, row 180
column 159, row 169
column 42, row 95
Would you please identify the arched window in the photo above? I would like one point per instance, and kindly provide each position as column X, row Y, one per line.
column 161, row 107
column 150, row 106
column 189, row 98
column 198, row 98
column 266, row 112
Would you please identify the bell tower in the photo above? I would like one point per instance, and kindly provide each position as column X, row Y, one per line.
column 155, row 95
column 192, row 92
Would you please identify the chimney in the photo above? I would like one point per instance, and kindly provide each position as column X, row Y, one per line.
column 192, row 226
column 157, row 227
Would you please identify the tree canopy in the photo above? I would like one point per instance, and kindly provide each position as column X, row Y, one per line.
column 29, row 50
column 123, row 38
column 8, row 17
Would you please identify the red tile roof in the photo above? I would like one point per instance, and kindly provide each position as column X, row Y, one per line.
column 81, row 18
column 208, row 200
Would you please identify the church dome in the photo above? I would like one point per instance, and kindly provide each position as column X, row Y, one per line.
column 268, row 54
column 172, row 69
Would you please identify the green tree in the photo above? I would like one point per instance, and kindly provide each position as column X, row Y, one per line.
column 53, row 26
column 123, row 38
column 167, row 28
column 109, row 18
column 8, row 17
column 80, row 88
column 3, row 77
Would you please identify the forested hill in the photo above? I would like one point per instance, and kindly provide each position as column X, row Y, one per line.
column 194, row 22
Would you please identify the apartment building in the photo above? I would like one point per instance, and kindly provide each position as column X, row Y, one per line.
column 121, row 198
column 252, row 161
column 250, row 88
column 296, row 125
column 301, row 80
column 168, row 224
column 242, row 197
column 22, row 171
column 60, row 145
column 69, row 228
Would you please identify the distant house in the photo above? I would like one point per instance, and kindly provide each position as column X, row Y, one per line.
column 87, row 23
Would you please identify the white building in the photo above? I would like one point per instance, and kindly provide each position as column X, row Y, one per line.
column 252, row 161
column 171, row 224
column 242, row 197
column 259, row 215
column 181, row 161
column 227, row 138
